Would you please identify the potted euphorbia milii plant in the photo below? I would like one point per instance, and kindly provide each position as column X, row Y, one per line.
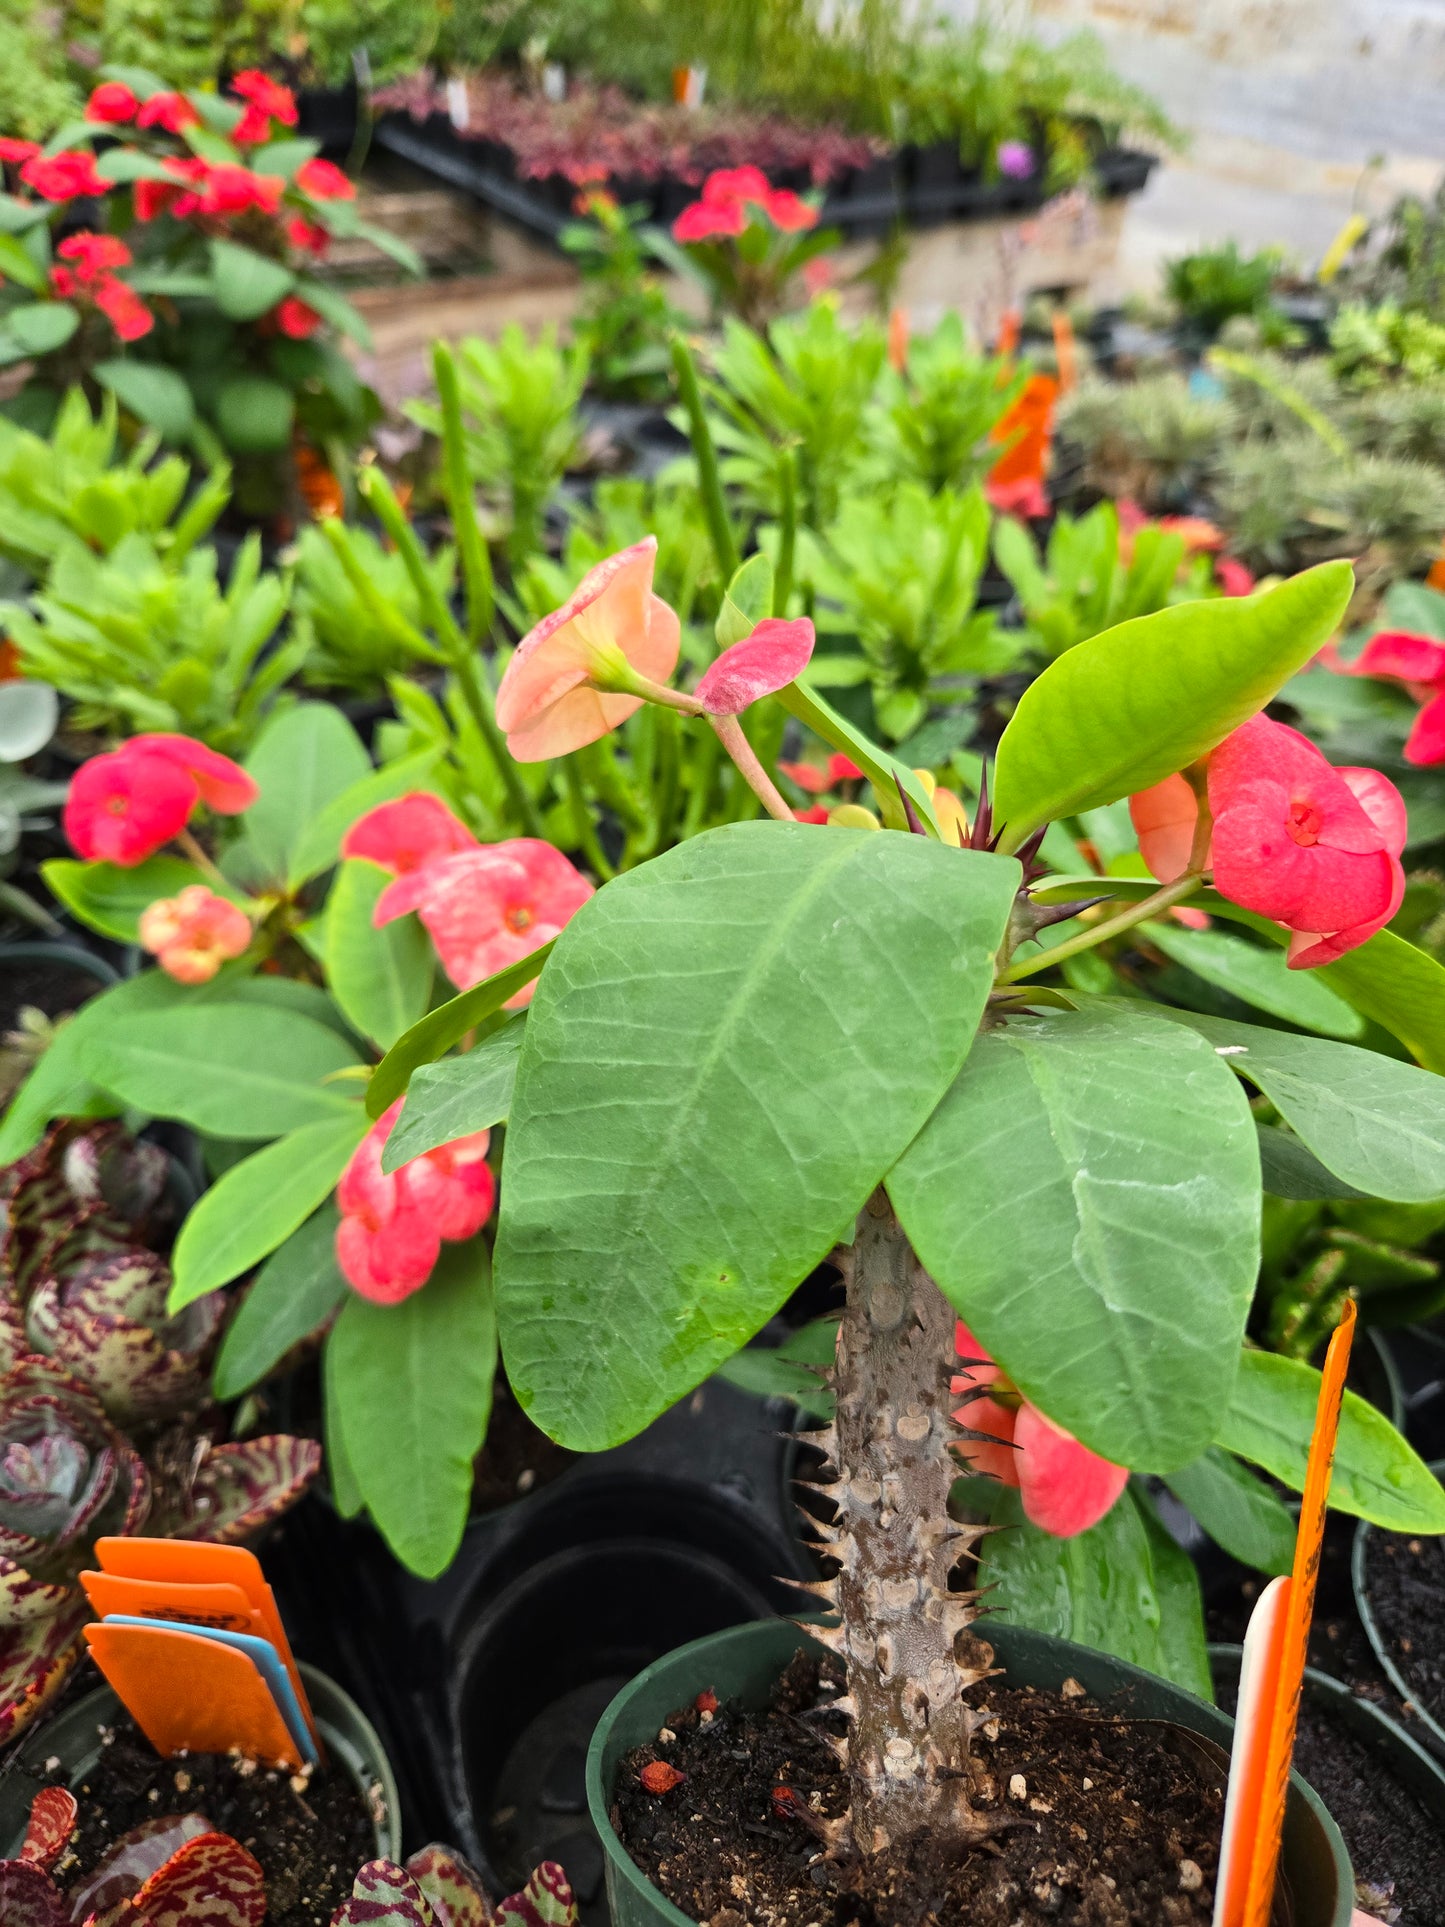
column 783, row 1043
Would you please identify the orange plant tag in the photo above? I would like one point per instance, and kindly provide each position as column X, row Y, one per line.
column 185, row 1692
column 184, row 1565
column 1273, row 1675
column 1066, row 351
column 225, row 1607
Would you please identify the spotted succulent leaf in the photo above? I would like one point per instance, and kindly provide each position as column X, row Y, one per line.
column 384, row 1895
column 241, row 1486
column 29, row 1898
column 211, row 1881
column 547, row 1900
column 48, row 1831
column 106, row 1322
column 36, row 1657
column 126, row 1866
column 453, row 1892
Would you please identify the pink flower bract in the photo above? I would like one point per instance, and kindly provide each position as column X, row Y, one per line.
column 296, row 318
column 173, row 112
column 1398, row 655
column 769, row 659
column 789, row 211
column 61, row 177
column 274, row 100
column 1164, row 819
column 92, row 255
column 324, row 181
column 191, row 935
column 1064, row 1486
column 393, row 1223
column 488, row 907
column 706, row 221
column 545, row 704
column 404, row 835
column 123, row 806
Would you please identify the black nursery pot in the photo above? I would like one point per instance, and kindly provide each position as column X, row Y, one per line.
column 73, row 1737
column 746, row 1662
column 1385, row 1649
column 56, row 977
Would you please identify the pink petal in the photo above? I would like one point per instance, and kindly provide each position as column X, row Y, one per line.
column 225, row 787
column 403, row 835
column 1426, row 745
column 1381, row 802
column 774, row 655
column 808, row 777
column 1066, row 1488
column 994, row 1456
column 1164, row 819
column 1307, row 950
column 1398, row 655
column 490, row 906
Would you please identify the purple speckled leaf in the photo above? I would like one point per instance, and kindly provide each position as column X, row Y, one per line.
column 65, row 1471
column 454, row 1893
column 13, row 1342
column 240, row 1487
column 106, row 1165
column 48, row 1830
column 384, row 1895
column 106, row 1323
column 545, row 1901
column 209, row 1882
column 36, row 1656
column 130, row 1862
column 28, row 1897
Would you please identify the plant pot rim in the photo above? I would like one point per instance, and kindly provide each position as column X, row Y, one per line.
column 1083, row 1662
column 60, row 950
column 350, row 1738
column 1378, row 1645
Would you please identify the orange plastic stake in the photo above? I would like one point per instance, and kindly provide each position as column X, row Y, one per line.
column 225, row 1607
column 1066, row 351
column 187, row 1693
column 1264, row 1738
column 192, row 1562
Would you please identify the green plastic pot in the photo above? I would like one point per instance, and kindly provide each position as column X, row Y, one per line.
column 73, row 1737
column 744, row 1664
column 1389, row 1665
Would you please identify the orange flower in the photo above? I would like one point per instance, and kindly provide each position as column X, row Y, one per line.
column 193, row 934
column 590, row 664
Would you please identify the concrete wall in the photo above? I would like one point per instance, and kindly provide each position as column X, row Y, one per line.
column 1288, row 103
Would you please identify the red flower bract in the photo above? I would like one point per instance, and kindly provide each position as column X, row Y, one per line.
column 700, row 221
column 1064, row 1486
column 111, row 101
column 93, row 254
column 16, row 150
column 268, row 95
column 296, row 319
column 123, row 308
column 324, row 181
column 123, row 806
column 393, row 1223
column 173, row 112
column 407, row 834
column 1398, row 655
column 789, row 211
column 61, row 177
column 768, row 660
column 488, row 907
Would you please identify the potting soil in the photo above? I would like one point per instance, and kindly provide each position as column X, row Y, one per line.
column 309, row 1843
column 1405, row 1583
column 1112, row 1827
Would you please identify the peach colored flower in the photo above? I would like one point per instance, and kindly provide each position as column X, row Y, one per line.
column 193, row 934
column 574, row 676
column 489, row 907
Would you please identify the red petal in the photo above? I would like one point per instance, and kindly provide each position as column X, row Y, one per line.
column 1164, row 820
column 1426, row 745
column 762, row 663
column 1066, row 1488
column 1398, row 655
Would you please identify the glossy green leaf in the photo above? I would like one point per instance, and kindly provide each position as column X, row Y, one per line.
column 1258, row 976
column 217, row 1069
column 345, row 1492
column 258, row 1203
column 19, row 265
column 435, row 1035
column 255, row 414
column 748, row 599
column 247, row 284
column 789, row 1370
column 459, row 1095
column 157, row 396
column 412, row 1385
column 1291, row 1170
column 1122, row 1587
column 110, row 899
column 1124, row 709
column 1376, row 1123
column 41, row 327
column 685, row 1144
column 380, row 978
column 303, row 760
column 1237, row 1510
column 319, row 843
column 1087, row 1197
column 1377, row 1475
column 295, row 1292
column 883, row 771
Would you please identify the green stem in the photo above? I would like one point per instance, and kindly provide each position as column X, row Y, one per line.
column 1095, row 934
column 461, row 500
column 582, row 822
column 475, row 698
column 709, row 480
column 788, row 535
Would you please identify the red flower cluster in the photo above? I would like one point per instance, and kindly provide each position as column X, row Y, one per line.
column 324, row 181
column 1295, row 839
column 1398, row 655
column 125, row 805
column 17, row 150
column 111, row 102
column 266, row 100
column 86, row 274
column 62, row 177
column 173, row 112
column 729, row 197
column 393, row 1223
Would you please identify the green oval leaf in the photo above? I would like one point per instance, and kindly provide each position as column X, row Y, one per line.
column 221, row 1071
column 157, row 396
column 258, row 1203
column 1259, row 977
column 1377, row 1475
column 685, row 1145
column 1237, row 1510
column 42, row 326
column 410, row 1390
column 294, row 1293
column 1376, row 1123
column 254, row 414
column 434, row 1036
column 304, row 759
column 1126, row 708
column 460, row 1095
column 247, row 284
column 1087, row 1197
column 110, row 899
column 380, row 978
